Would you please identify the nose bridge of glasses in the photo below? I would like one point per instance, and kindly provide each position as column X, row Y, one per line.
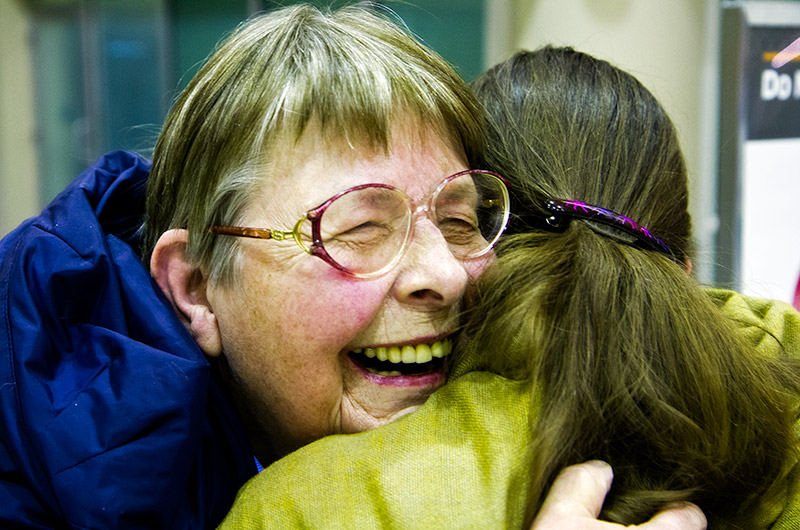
column 421, row 208
column 423, row 214
column 427, row 205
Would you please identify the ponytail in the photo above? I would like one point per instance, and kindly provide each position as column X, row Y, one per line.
column 630, row 361
column 633, row 364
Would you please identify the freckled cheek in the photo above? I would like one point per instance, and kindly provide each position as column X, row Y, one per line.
column 474, row 270
column 338, row 311
column 476, row 267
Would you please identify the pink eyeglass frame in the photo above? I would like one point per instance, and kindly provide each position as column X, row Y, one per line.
column 315, row 215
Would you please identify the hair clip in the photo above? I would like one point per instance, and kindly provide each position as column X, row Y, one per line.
column 607, row 223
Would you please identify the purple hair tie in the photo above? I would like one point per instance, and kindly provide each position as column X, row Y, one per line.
column 607, row 223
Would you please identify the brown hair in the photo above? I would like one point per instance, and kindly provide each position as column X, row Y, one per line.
column 631, row 361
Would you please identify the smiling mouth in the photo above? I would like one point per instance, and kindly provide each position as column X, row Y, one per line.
column 403, row 360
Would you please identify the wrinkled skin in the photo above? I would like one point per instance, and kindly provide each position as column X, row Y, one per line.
column 287, row 327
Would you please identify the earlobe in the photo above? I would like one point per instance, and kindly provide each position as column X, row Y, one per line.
column 687, row 265
column 185, row 287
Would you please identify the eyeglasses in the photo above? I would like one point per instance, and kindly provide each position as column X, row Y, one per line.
column 364, row 231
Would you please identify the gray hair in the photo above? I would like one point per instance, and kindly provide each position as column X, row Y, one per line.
column 350, row 70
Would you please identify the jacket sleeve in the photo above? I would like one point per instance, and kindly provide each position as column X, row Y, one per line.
column 109, row 416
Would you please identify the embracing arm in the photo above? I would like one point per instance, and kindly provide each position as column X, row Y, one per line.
column 458, row 462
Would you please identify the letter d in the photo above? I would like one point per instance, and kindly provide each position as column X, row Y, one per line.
column 770, row 85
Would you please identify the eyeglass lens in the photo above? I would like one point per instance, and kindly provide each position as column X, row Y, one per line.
column 366, row 229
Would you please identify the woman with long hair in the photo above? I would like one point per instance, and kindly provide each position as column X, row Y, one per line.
column 589, row 339
column 634, row 362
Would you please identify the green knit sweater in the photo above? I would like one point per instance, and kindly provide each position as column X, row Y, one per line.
column 460, row 461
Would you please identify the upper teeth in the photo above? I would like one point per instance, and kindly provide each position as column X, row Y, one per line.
column 421, row 353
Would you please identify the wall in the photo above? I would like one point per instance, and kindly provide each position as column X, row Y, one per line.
column 104, row 73
column 18, row 186
column 671, row 46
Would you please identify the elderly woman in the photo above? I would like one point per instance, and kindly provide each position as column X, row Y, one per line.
column 311, row 225
column 338, row 227
column 609, row 348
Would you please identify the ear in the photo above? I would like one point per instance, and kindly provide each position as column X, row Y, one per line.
column 687, row 264
column 185, row 287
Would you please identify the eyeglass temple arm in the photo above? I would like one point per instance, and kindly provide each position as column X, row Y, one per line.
column 257, row 233
column 243, row 231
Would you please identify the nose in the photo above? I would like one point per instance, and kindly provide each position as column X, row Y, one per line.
column 429, row 274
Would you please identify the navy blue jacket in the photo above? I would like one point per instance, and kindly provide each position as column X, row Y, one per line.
column 109, row 415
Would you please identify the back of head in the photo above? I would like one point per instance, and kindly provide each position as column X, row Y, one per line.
column 632, row 362
column 351, row 71
column 589, row 132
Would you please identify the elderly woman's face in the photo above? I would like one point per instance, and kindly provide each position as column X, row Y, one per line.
column 295, row 329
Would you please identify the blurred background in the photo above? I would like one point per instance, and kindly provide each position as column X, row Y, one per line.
column 82, row 77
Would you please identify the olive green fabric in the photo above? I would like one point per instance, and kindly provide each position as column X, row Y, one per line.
column 460, row 461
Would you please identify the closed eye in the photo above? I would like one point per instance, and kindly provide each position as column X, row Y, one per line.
column 459, row 231
column 366, row 234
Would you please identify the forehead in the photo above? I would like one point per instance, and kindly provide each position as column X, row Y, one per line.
column 304, row 173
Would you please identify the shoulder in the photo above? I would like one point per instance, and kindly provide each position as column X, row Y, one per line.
column 434, row 468
column 771, row 325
